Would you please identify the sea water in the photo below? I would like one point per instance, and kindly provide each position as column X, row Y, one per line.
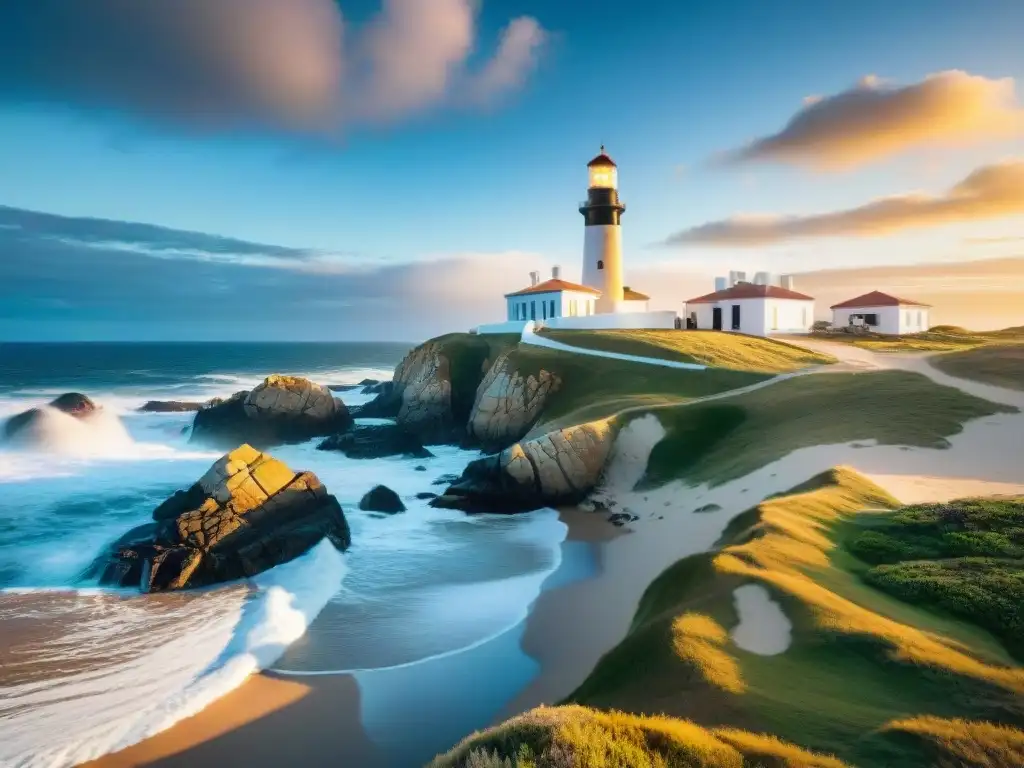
column 85, row 671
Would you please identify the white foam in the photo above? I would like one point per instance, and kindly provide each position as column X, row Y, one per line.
column 100, row 433
column 139, row 665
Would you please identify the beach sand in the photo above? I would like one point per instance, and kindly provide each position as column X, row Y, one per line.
column 270, row 721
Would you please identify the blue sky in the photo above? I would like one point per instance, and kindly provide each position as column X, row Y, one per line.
column 667, row 86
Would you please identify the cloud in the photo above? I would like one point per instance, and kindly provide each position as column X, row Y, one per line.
column 989, row 192
column 875, row 120
column 267, row 64
column 61, row 275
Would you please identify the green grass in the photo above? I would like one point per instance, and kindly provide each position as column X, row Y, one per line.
column 862, row 663
column 713, row 348
column 966, row 558
column 578, row 737
column 595, row 388
column 1001, row 365
column 726, row 439
column 940, row 338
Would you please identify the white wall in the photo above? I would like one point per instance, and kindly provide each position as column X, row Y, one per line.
column 604, row 244
column 664, row 319
column 634, row 305
column 758, row 317
column 518, row 308
column 893, row 321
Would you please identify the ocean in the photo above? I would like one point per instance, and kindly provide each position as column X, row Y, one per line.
column 85, row 671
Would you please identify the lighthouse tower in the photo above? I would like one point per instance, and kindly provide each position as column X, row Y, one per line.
column 602, row 235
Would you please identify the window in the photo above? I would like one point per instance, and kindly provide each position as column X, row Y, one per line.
column 552, row 308
column 871, row 319
column 533, row 310
column 920, row 321
column 803, row 318
column 544, row 310
column 735, row 317
column 600, row 264
column 775, row 317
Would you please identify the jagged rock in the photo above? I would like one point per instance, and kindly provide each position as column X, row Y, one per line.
column 169, row 406
column 382, row 499
column 560, row 467
column 446, row 480
column 424, row 495
column 619, row 519
column 419, row 397
column 247, row 514
column 376, row 441
column 369, row 382
column 72, row 403
column 507, row 404
column 420, row 468
column 283, row 409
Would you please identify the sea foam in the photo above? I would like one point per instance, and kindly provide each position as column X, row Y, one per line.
column 132, row 666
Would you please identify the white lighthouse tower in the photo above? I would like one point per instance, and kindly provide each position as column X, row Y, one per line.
column 602, row 234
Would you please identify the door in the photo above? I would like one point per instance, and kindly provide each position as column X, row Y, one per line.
column 716, row 318
column 735, row 317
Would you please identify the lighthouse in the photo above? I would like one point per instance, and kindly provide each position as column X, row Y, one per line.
column 602, row 234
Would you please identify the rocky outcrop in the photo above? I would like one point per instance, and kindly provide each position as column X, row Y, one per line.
column 420, row 395
column 508, row 404
column 169, row 406
column 247, row 514
column 72, row 403
column 382, row 499
column 283, row 409
column 376, row 441
column 560, row 467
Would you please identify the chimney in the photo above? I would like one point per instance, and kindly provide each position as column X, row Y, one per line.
column 787, row 282
column 735, row 276
column 534, row 278
column 762, row 278
column 721, row 283
column 556, row 272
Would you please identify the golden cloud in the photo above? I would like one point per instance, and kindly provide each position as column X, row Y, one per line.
column 990, row 192
column 874, row 120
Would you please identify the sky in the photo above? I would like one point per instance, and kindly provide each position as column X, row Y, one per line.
column 388, row 169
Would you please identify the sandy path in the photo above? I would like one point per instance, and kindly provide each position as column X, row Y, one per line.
column 763, row 628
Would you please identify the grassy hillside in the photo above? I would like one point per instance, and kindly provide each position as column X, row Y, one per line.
column 725, row 439
column 714, row 348
column 578, row 737
column 873, row 679
column 595, row 387
column 941, row 338
column 999, row 364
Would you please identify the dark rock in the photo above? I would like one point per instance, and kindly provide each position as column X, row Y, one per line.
column 247, row 514
column 376, row 441
column 169, row 406
column 560, row 467
column 420, row 468
column 446, row 480
column 283, row 409
column 369, row 382
column 424, row 495
column 707, row 508
column 342, row 387
column 382, row 499
column 619, row 519
column 72, row 403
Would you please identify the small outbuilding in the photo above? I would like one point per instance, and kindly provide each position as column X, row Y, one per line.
column 757, row 310
column 882, row 313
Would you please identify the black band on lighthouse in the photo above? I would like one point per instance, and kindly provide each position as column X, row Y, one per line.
column 603, row 207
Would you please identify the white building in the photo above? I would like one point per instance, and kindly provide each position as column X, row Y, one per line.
column 600, row 300
column 757, row 310
column 882, row 313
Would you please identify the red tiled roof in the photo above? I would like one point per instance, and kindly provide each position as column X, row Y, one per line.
column 602, row 159
column 877, row 299
column 552, row 286
column 750, row 291
column 628, row 294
